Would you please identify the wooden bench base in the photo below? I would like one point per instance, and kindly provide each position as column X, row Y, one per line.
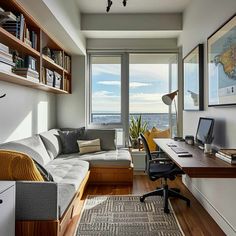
column 111, row 175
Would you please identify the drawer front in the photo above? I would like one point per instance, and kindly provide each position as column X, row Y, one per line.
column 7, row 212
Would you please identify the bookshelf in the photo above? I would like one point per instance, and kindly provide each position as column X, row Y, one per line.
column 58, row 64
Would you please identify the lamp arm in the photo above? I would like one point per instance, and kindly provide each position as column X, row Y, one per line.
column 177, row 120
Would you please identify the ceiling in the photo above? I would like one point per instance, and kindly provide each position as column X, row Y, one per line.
column 133, row 6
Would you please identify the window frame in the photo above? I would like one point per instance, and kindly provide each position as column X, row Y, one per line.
column 124, row 124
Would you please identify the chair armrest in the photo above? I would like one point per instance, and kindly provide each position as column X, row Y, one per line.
column 36, row 200
column 157, row 152
column 159, row 159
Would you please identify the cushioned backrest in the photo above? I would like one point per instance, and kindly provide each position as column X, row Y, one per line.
column 52, row 142
column 32, row 146
column 107, row 137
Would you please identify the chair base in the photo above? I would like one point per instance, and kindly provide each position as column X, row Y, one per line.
column 166, row 192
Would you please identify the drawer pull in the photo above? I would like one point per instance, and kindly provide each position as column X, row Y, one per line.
column 1, row 201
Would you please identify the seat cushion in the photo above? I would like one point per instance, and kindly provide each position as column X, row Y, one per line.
column 113, row 158
column 32, row 146
column 52, row 142
column 68, row 170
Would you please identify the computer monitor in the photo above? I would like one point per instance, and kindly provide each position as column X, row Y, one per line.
column 204, row 129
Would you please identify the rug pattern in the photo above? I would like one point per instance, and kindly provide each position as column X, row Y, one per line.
column 126, row 216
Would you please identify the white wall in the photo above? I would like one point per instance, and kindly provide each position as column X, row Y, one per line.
column 71, row 108
column 132, row 44
column 25, row 111
column 201, row 19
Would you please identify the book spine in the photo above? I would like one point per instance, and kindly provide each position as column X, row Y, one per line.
column 225, row 159
column 233, row 156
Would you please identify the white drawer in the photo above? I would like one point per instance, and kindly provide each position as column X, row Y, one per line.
column 7, row 212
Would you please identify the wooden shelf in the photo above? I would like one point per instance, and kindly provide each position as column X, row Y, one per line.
column 50, row 64
column 13, row 42
column 44, row 40
column 16, row 79
column 66, row 72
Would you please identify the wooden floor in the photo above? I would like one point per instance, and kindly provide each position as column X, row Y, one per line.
column 194, row 220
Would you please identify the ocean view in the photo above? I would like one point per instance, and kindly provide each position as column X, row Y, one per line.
column 160, row 120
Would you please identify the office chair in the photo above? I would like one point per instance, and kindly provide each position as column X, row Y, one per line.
column 161, row 167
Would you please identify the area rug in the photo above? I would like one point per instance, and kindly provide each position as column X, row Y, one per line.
column 126, row 216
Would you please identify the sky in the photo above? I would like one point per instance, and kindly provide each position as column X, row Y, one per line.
column 148, row 82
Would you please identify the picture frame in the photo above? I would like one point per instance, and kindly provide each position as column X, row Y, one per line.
column 221, row 61
column 193, row 71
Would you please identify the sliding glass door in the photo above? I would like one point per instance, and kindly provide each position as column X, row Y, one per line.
column 122, row 85
column 151, row 76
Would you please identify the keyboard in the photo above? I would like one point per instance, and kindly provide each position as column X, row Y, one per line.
column 178, row 150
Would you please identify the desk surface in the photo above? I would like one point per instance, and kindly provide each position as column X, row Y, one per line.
column 200, row 165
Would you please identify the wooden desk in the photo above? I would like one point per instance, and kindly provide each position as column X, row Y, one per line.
column 200, row 165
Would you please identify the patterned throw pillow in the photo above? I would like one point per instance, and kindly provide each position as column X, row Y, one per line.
column 88, row 146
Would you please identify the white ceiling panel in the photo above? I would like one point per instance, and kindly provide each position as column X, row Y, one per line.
column 133, row 6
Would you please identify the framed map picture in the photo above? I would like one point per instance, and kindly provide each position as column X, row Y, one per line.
column 222, row 65
column 193, row 79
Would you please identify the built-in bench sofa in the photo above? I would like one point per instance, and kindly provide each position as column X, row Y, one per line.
column 46, row 208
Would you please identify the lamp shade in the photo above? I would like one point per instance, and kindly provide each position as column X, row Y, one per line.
column 168, row 98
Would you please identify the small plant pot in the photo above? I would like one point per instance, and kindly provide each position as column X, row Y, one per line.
column 135, row 143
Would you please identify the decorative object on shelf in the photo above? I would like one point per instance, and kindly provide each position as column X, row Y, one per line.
column 193, row 79
column 30, row 62
column 57, row 80
column 49, row 77
column 168, row 99
column 19, row 62
column 222, row 65
column 135, row 128
column 47, row 52
column 55, row 55
column 109, row 4
column 2, row 96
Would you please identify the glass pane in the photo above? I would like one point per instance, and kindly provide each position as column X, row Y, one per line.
column 150, row 76
column 106, row 89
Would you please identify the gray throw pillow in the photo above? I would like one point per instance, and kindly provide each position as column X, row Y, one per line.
column 69, row 140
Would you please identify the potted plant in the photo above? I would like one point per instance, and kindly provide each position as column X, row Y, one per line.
column 135, row 128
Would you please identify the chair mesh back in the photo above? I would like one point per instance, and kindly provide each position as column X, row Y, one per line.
column 148, row 156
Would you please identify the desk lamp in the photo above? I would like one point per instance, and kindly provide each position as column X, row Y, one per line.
column 168, row 99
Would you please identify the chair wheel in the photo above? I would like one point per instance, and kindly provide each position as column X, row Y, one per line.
column 142, row 199
column 166, row 210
